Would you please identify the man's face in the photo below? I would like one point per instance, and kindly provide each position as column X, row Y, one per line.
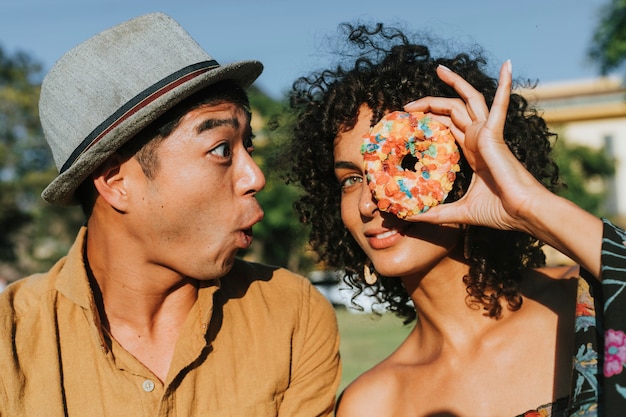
column 199, row 208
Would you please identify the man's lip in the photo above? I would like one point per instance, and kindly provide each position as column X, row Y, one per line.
column 246, row 238
column 256, row 219
column 246, row 230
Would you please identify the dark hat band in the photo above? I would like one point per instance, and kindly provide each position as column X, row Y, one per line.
column 138, row 102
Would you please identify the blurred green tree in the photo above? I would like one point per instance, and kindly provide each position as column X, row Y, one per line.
column 34, row 234
column 608, row 46
column 280, row 239
column 18, row 120
column 585, row 172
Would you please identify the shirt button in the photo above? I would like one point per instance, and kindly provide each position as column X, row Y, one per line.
column 148, row 386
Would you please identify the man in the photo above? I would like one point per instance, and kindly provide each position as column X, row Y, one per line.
column 150, row 314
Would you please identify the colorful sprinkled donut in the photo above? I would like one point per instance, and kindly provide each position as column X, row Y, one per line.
column 411, row 162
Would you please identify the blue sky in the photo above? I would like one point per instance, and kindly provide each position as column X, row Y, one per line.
column 545, row 39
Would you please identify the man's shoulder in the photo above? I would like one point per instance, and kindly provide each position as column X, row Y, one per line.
column 271, row 282
column 275, row 296
column 26, row 294
column 263, row 274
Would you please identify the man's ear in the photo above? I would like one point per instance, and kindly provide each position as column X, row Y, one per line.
column 110, row 181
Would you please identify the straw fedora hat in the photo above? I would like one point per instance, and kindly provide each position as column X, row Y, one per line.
column 107, row 89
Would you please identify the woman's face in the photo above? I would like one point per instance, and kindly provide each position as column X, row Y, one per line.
column 396, row 247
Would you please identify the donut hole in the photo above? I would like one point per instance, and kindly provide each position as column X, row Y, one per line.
column 408, row 163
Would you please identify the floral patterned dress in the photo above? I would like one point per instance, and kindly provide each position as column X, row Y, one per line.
column 612, row 395
column 599, row 381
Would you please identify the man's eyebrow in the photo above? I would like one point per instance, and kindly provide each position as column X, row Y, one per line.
column 346, row 165
column 213, row 123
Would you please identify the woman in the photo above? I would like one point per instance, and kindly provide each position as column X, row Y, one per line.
column 495, row 334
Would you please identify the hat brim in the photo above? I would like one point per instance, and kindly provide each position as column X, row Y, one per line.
column 61, row 191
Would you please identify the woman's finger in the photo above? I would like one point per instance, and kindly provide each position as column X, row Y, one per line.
column 455, row 109
column 439, row 105
column 475, row 101
column 500, row 105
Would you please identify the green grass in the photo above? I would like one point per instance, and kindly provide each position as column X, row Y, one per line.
column 367, row 339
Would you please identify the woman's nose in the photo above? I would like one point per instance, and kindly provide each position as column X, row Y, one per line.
column 367, row 202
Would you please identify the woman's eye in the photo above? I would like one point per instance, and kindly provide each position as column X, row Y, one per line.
column 351, row 181
column 223, row 150
column 247, row 142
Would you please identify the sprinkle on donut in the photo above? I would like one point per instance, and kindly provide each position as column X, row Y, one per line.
column 410, row 161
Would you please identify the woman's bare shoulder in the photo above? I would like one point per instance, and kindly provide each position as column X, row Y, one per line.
column 552, row 287
column 372, row 393
column 560, row 272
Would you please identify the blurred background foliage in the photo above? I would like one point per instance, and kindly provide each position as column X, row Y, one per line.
column 34, row 234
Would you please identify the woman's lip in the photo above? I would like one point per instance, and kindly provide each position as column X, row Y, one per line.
column 384, row 234
column 381, row 239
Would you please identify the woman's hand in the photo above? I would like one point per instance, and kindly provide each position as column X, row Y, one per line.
column 501, row 187
column 502, row 193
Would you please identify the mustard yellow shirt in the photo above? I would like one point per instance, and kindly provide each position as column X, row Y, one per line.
column 260, row 342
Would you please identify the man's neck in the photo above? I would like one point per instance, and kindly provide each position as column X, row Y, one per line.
column 143, row 306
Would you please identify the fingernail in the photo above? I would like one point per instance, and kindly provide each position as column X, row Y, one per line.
column 509, row 66
column 444, row 67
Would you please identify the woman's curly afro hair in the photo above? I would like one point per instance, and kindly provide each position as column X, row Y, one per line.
column 387, row 71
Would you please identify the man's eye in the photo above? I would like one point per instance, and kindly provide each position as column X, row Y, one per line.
column 223, row 150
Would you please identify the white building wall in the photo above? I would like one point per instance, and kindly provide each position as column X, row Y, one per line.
column 593, row 113
column 596, row 134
